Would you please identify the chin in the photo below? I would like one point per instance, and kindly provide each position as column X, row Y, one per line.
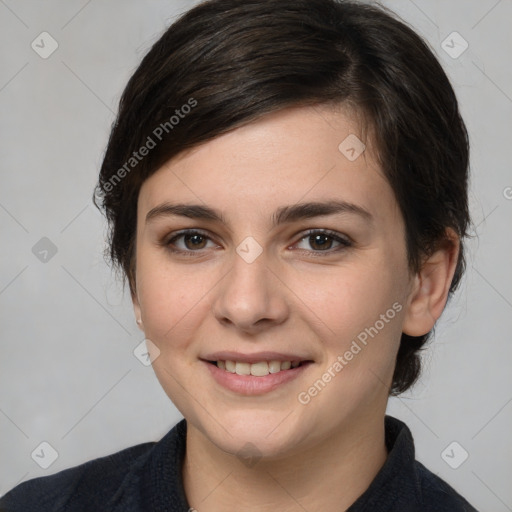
column 256, row 434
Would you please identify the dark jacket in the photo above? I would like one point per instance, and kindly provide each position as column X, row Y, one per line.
column 147, row 478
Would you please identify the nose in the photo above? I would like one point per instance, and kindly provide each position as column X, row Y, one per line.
column 250, row 298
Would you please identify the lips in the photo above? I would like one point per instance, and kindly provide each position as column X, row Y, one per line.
column 257, row 373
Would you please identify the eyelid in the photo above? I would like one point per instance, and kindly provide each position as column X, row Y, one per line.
column 188, row 231
column 344, row 240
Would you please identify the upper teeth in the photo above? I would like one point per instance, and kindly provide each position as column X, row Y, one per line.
column 257, row 369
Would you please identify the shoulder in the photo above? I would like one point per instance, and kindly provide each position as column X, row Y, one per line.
column 78, row 488
column 404, row 483
column 436, row 494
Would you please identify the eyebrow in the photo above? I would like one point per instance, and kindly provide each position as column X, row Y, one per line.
column 283, row 215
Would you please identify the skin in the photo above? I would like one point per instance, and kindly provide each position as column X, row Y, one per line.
column 294, row 297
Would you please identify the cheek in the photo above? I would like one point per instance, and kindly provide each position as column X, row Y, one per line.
column 357, row 312
column 166, row 295
column 347, row 298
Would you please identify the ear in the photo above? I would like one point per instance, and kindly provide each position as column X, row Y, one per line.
column 431, row 287
column 137, row 310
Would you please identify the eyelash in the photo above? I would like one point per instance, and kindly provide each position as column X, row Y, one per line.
column 344, row 241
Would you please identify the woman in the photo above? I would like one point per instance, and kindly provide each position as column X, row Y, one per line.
column 286, row 187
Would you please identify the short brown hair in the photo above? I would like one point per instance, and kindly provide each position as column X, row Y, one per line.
column 233, row 61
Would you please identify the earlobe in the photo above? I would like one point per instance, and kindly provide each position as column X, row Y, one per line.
column 431, row 287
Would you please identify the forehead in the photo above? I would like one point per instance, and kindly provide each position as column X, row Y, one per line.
column 291, row 156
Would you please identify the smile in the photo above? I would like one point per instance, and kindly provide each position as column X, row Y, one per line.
column 259, row 369
column 255, row 377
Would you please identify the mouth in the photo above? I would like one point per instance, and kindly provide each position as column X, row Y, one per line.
column 255, row 374
column 257, row 369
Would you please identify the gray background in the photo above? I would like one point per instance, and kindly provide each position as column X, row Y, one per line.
column 68, row 375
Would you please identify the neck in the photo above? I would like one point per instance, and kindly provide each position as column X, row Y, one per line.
column 328, row 476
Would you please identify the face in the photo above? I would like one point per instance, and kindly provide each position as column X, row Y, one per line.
column 271, row 245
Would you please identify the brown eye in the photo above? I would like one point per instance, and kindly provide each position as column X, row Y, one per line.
column 319, row 241
column 194, row 241
column 188, row 242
